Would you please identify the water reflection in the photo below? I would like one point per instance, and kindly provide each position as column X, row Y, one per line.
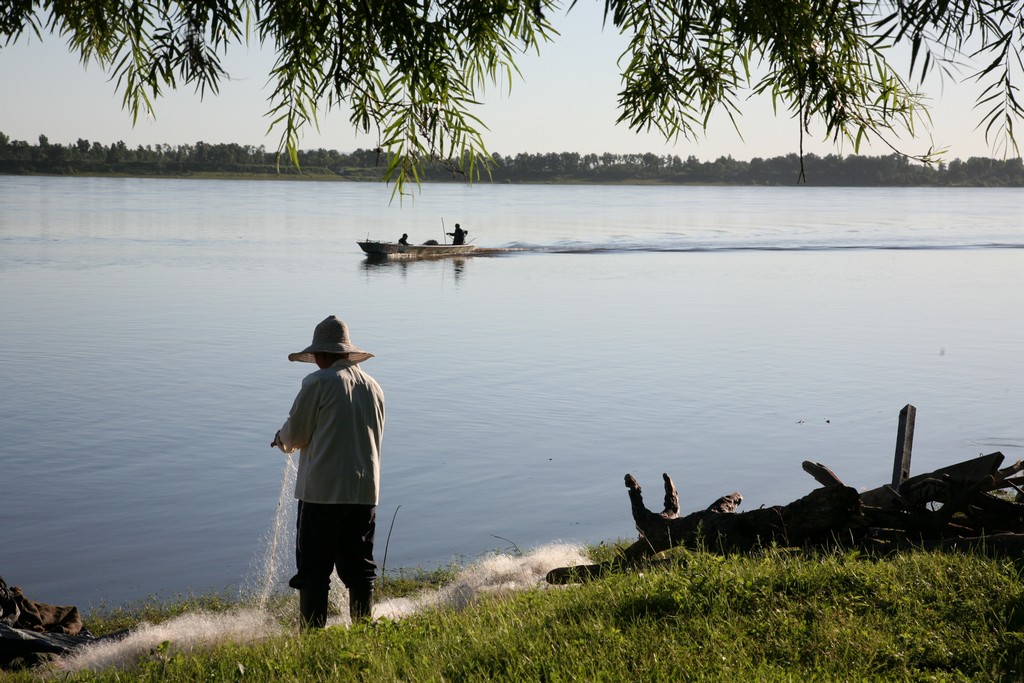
column 458, row 264
column 383, row 264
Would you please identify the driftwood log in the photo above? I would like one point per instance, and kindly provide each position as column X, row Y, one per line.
column 971, row 505
column 815, row 519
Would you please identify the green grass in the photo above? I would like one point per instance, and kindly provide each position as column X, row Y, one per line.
column 774, row 617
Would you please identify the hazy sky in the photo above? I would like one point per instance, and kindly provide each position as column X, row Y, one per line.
column 565, row 101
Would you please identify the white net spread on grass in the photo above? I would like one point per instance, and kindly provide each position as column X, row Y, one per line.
column 491, row 574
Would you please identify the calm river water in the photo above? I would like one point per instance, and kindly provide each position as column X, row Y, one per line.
column 720, row 334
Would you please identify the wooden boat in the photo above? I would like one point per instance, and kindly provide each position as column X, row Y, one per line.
column 395, row 250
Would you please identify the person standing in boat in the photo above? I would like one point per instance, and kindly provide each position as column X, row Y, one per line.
column 404, row 240
column 337, row 424
column 459, row 236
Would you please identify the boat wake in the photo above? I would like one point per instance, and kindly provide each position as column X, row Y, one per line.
column 1000, row 442
column 628, row 246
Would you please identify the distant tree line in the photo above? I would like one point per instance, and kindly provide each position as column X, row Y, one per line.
column 94, row 158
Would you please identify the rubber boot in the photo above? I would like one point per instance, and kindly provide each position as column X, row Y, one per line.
column 360, row 603
column 312, row 608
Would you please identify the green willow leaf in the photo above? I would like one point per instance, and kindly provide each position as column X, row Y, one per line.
column 413, row 71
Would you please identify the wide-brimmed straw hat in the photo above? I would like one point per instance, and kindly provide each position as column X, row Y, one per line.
column 331, row 336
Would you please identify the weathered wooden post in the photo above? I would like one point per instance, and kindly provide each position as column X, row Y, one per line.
column 904, row 445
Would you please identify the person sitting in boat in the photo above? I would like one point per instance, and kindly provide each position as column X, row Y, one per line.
column 459, row 236
column 404, row 239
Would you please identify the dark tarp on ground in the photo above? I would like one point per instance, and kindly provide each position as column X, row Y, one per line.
column 32, row 632
column 21, row 648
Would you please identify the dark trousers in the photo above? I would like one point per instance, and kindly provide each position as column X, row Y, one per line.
column 335, row 537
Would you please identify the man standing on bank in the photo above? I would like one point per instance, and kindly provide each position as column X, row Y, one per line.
column 337, row 423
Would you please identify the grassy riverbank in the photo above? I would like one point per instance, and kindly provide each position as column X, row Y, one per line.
column 775, row 617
